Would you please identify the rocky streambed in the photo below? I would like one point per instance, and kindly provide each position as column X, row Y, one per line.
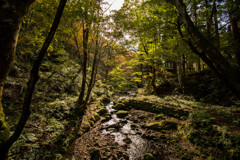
column 137, row 130
column 126, row 133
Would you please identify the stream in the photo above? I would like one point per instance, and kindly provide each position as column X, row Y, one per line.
column 126, row 134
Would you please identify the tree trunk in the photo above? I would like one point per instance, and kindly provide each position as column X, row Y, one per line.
column 5, row 145
column 179, row 74
column 84, row 68
column 199, row 64
column 228, row 72
column 232, row 7
column 11, row 16
column 174, row 68
column 217, row 39
column 94, row 71
column 183, row 64
column 153, row 81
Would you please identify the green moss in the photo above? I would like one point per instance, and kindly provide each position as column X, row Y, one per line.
column 148, row 156
column 122, row 114
column 4, row 129
column 160, row 117
column 102, row 111
column 97, row 117
column 163, row 125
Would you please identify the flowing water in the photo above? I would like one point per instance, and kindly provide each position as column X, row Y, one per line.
column 126, row 135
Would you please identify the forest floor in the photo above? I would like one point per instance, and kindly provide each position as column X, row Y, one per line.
column 175, row 127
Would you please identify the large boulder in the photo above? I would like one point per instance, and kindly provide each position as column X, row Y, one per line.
column 156, row 108
column 121, row 106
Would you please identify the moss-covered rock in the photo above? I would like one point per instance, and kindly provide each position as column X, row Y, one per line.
column 148, row 156
column 161, row 109
column 122, row 114
column 121, row 106
column 105, row 99
column 102, row 111
column 163, row 125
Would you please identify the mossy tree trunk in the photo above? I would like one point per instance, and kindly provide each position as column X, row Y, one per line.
column 6, row 142
column 11, row 16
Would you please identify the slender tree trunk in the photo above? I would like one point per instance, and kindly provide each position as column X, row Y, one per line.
column 184, row 64
column 234, row 19
column 84, row 67
column 174, row 68
column 142, row 76
column 5, row 145
column 216, row 25
column 199, row 64
column 179, row 73
column 208, row 21
column 94, row 71
column 153, row 81
column 230, row 74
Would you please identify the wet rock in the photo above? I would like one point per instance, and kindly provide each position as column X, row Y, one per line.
column 95, row 154
column 133, row 126
column 127, row 140
column 122, row 114
column 124, row 121
column 116, row 126
column 102, row 111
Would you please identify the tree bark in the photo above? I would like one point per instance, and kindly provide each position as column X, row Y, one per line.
column 153, row 81
column 84, row 69
column 11, row 16
column 230, row 73
column 5, row 145
column 179, row 75
column 217, row 39
column 232, row 7
column 183, row 64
